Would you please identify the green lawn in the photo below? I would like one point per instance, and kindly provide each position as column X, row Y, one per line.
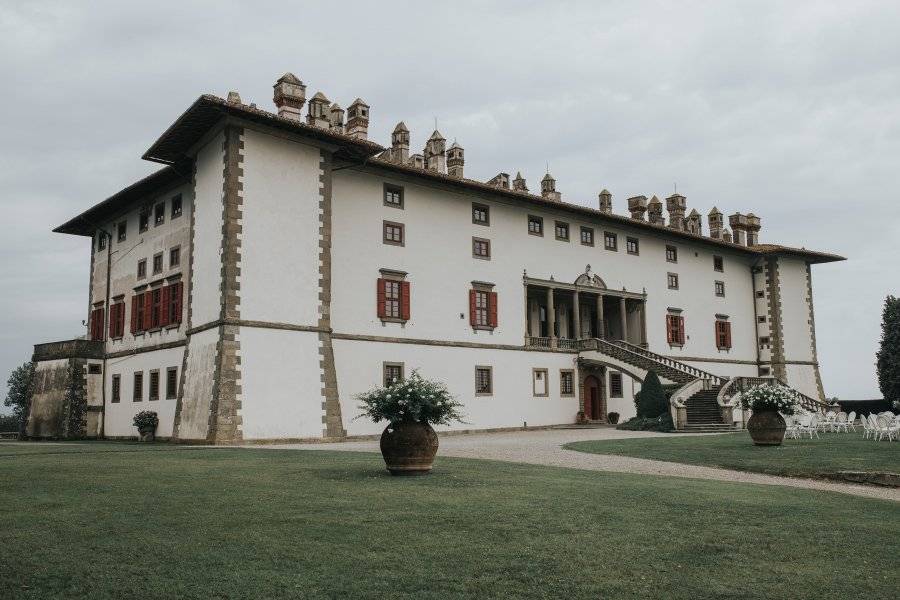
column 817, row 457
column 122, row 520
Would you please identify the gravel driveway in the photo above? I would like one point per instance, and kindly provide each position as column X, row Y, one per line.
column 544, row 447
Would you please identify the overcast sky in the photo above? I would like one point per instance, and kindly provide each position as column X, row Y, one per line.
column 790, row 110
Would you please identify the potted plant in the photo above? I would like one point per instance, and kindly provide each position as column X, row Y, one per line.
column 768, row 403
column 146, row 422
column 613, row 418
column 411, row 407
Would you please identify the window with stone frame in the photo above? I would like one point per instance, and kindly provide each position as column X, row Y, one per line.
column 176, row 206
column 154, row 385
column 587, row 236
column 632, row 245
column 143, row 220
column 672, row 279
column 116, row 389
column 137, row 392
column 101, row 240
column 155, row 307
column 393, row 296
column 562, row 231
column 566, row 382
column 142, row 268
column 611, row 241
column 765, row 341
column 159, row 214
column 760, row 294
column 484, row 384
column 535, row 225
column 174, row 257
column 392, row 373
column 761, row 318
column 121, row 231
column 718, row 264
column 482, row 306
column 157, row 263
column 720, row 289
column 171, row 383
column 615, row 385
column 481, row 214
column 481, row 248
column 117, row 319
column 393, row 195
column 392, row 233
column 675, row 329
column 723, row 334
column 672, row 254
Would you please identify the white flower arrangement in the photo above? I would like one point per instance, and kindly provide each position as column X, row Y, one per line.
column 770, row 397
column 412, row 399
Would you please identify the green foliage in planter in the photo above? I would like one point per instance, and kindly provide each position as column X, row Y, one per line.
column 660, row 423
column 651, row 401
column 413, row 399
column 888, row 355
column 613, row 417
column 146, row 419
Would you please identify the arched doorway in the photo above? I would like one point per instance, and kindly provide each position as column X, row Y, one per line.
column 593, row 402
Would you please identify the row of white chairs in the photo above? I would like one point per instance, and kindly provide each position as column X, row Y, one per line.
column 881, row 426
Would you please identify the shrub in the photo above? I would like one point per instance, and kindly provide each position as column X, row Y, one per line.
column 888, row 355
column 613, row 417
column 652, row 399
column 18, row 395
column 146, row 419
column 770, row 397
column 661, row 423
column 414, row 399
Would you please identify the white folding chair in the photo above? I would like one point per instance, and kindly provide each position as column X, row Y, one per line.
column 840, row 422
column 851, row 421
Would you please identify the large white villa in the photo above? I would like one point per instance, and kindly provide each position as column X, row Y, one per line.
column 281, row 263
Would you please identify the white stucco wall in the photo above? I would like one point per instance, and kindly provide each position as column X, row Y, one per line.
column 795, row 309
column 207, row 269
column 198, row 384
column 119, row 415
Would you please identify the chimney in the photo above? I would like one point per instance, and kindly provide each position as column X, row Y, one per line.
column 716, row 223
column 654, row 211
column 400, row 144
column 518, row 183
column 358, row 120
column 676, row 204
column 726, row 236
column 637, row 206
column 455, row 161
column 753, row 227
column 500, row 180
column 435, row 153
column 233, row 98
column 318, row 115
column 548, row 189
column 416, row 160
column 739, row 224
column 336, row 118
column 605, row 201
column 695, row 223
column 289, row 96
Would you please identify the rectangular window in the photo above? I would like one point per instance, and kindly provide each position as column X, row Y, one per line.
column 764, row 342
column 610, row 241
column 723, row 334
column 481, row 214
column 393, row 195
column 143, row 220
column 632, row 245
column 672, row 254
column 535, row 225
column 587, row 236
column 117, row 320
column 174, row 303
column 393, row 299
column 484, row 386
column 764, row 371
column 154, row 385
column 142, row 268
column 673, row 281
column 94, row 369
column 539, row 382
column 562, row 231
column 615, row 385
column 174, row 257
column 157, row 263
column 137, row 393
column 121, row 231
column 155, row 307
column 482, row 308
column 159, row 214
column 718, row 264
column 393, row 373
column 101, row 241
column 720, row 288
column 176, row 206
column 96, row 324
column 116, row 389
column 171, row 383
column 675, row 330
column 392, row 233
column 481, row 248
column 761, row 318
column 760, row 294
column 566, row 382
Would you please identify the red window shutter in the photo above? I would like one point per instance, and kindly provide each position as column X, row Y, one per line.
column 670, row 337
column 718, row 338
column 379, row 298
column 164, row 309
column 727, row 334
column 473, row 296
column 135, row 300
column 178, row 294
column 492, row 306
column 404, row 300
column 680, row 330
column 113, row 320
column 148, row 308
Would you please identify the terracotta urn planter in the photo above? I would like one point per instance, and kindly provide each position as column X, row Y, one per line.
column 409, row 448
column 766, row 427
column 147, row 434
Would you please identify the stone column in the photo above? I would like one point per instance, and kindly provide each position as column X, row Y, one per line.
column 644, row 323
column 551, row 318
column 601, row 330
column 623, row 319
column 576, row 309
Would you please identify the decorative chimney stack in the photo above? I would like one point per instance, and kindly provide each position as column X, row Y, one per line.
column 739, row 226
column 637, row 206
column 358, row 120
column 676, row 204
column 753, row 227
column 455, row 160
column 500, row 180
column 548, row 189
column 716, row 223
column 654, row 211
column 336, row 117
column 289, row 96
column 518, row 183
column 318, row 115
column 233, row 98
column 605, row 201
column 694, row 223
column 417, row 161
column 400, row 144
column 726, row 236
column 435, row 153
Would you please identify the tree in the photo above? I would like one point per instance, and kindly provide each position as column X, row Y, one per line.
column 889, row 353
column 652, row 401
column 20, row 383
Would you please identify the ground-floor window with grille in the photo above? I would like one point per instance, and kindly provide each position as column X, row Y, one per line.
column 615, row 385
column 483, row 381
column 567, row 383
